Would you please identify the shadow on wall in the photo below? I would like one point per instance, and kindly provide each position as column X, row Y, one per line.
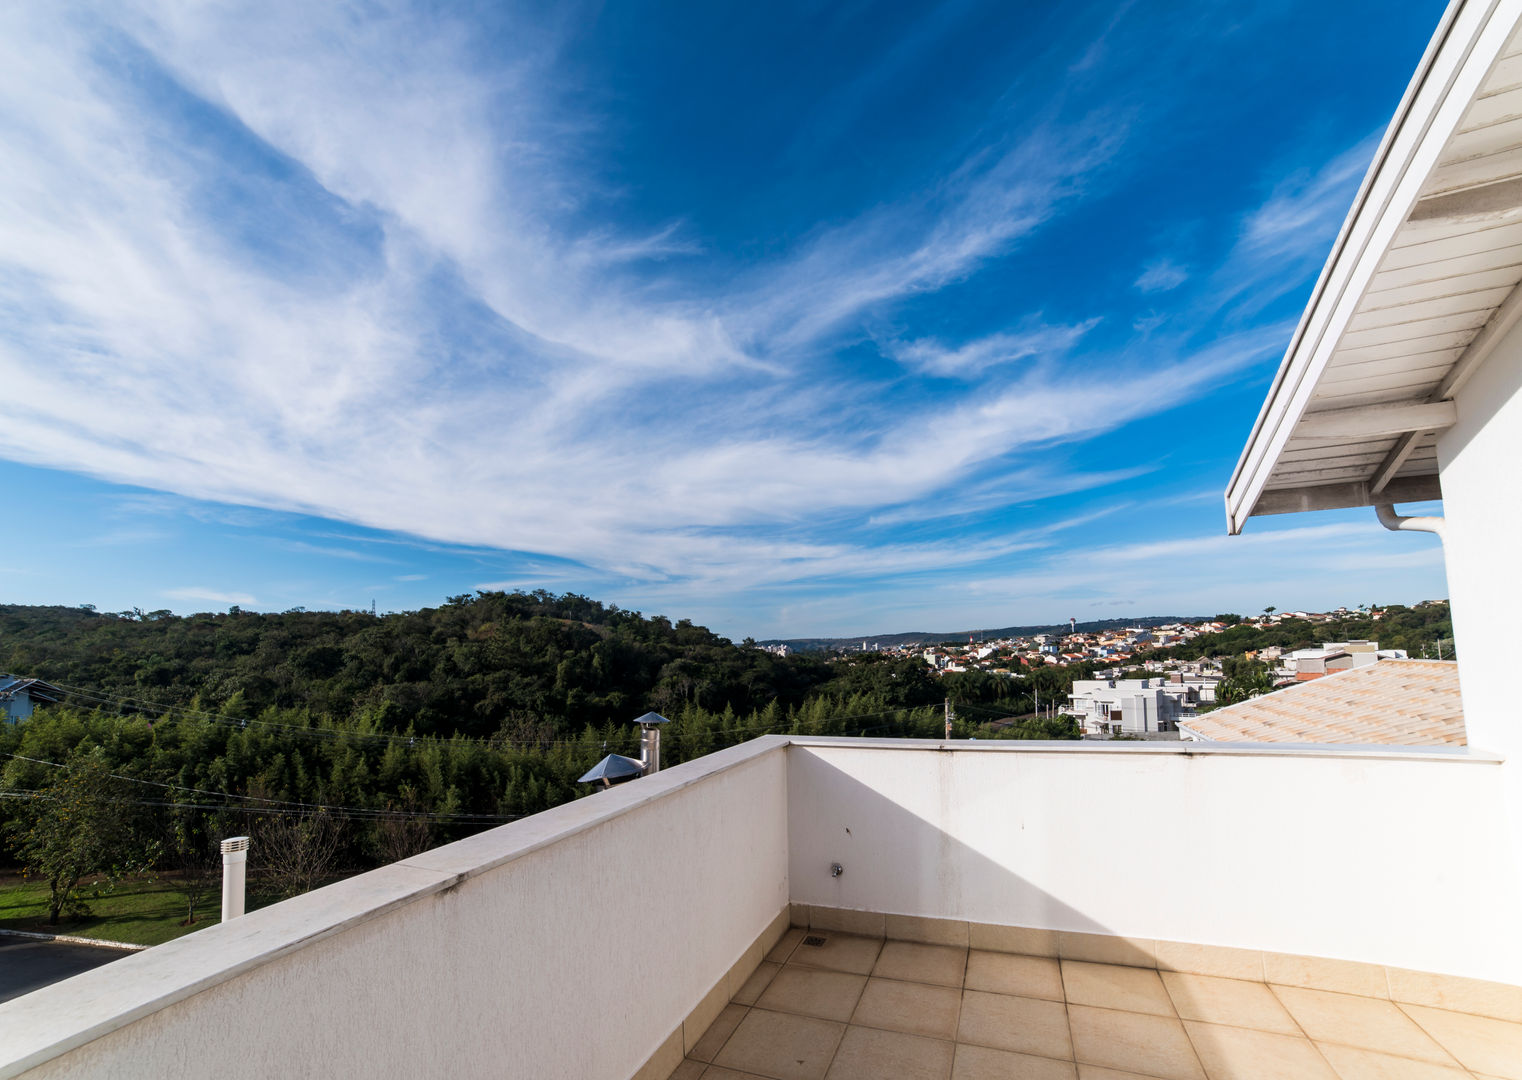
column 898, row 856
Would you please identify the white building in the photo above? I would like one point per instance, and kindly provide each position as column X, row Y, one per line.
column 1364, row 898
column 1115, row 706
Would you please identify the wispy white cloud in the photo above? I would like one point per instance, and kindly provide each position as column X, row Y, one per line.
column 213, row 596
column 455, row 340
column 1161, row 276
column 973, row 358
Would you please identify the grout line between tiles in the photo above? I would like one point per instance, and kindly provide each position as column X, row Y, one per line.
column 1422, row 1028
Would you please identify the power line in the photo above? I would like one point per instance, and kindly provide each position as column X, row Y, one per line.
column 346, row 813
column 276, row 805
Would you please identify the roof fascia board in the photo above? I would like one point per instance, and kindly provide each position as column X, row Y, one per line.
column 1460, row 55
column 1348, row 494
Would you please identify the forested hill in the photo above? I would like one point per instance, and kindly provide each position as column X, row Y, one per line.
column 476, row 665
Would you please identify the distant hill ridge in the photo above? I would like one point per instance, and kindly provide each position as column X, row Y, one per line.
column 926, row 638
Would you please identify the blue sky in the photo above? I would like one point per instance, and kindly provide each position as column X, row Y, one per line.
column 791, row 319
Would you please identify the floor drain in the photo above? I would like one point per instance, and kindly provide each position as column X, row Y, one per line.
column 814, row 941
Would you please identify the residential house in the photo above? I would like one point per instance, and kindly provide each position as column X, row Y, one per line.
column 1116, row 706
column 19, row 696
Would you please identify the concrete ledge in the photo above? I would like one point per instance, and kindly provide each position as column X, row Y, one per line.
column 1456, row 754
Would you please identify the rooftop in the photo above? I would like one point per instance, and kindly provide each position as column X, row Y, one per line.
column 1063, row 917
column 1390, row 703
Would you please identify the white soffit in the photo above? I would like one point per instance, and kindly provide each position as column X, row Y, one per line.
column 1420, row 284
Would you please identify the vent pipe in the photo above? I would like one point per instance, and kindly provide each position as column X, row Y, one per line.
column 234, row 874
column 650, row 741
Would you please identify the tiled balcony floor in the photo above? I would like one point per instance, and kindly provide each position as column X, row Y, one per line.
column 857, row 1008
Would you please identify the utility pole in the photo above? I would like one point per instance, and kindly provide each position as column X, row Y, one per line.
column 948, row 718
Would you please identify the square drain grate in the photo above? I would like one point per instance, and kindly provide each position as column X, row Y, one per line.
column 813, row 941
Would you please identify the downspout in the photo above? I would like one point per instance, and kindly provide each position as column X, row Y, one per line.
column 1395, row 523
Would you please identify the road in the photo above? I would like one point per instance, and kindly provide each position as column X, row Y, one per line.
column 27, row 964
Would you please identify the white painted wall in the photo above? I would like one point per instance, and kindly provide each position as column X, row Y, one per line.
column 1389, row 858
column 1480, row 461
column 567, row 945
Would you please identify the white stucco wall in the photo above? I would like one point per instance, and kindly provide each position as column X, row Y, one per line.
column 1382, row 857
column 1480, row 461
column 567, row 945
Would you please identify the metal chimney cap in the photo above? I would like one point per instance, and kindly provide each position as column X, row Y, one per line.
column 612, row 769
column 650, row 719
column 235, row 843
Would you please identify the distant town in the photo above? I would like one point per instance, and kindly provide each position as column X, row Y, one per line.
column 1136, row 683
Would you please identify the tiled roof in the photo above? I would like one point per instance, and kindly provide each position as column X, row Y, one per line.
column 1392, row 702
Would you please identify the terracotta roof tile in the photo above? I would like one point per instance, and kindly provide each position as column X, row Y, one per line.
column 1392, row 702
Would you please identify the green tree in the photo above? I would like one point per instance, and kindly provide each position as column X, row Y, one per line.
column 81, row 824
column 194, row 855
column 1244, row 679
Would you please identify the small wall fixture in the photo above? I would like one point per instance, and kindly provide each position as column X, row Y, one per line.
column 836, row 869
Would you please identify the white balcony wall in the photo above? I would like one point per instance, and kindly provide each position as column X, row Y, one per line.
column 1392, row 858
column 1482, row 501
column 568, row 945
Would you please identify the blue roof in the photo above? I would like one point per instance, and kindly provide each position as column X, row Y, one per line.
column 612, row 768
column 652, row 718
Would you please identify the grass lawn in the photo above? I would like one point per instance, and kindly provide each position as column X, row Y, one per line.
column 140, row 911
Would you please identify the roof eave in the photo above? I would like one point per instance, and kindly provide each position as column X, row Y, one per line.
column 1460, row 53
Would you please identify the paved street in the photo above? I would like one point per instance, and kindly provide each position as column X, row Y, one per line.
column 27, row 965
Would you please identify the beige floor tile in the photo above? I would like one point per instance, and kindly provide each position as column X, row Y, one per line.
column 1319, row 973
column 1228, row 1001
column 759, row 980
column 688, row 1070
column 707, row 1048
column 986, row 1063
column 715, row 1072
column 848, row 921
column 1500, row 1001
column 829, row 995
column 868, row 1054
column 1231, row 1053
column 1351, row 1063
column 1139, row 1042
column 1107, row 949
column 1109, row 986
column 1012, row 939
column 781, row 1045
column 1482, row 1045
column 939, row 965
column 840, row 952
column 927, row 930
column 1223, row 962
column 1095, row 1072
column 910, row 1007
column 1369, row 1023
column 1025, row 1025
column 785, row 946
column 1006, row 973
